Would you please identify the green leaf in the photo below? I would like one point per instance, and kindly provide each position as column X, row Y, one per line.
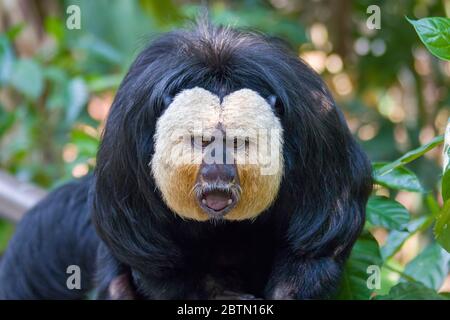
column 6, row 59
column 105, row 82
column 55, row 27
column 100, row 48
column 435, row 34
column 14, row 31
column 397, row 238
column 411, row 155
column 446, row 164
column 411, row 291
column 6, row 231
column 446, row 185
column 7, row 119
column 58, row 79
column 432, row 204
column 441, row 228
column 390, row 276
column 430, row 267
column 365, row 253
column 165, row 12
column 87, row 145
column 446, row 295
column 387, row 213
column 28, row 78
column 399, row 178
column 77, row 96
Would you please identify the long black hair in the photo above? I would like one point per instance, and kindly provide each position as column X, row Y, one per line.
column 326, row 178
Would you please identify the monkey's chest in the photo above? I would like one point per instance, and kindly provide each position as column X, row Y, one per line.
column 237, row 264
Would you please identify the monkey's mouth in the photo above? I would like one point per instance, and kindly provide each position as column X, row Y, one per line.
column 216, row 202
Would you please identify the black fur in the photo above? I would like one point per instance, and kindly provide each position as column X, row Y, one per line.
column 296, row 249
column 56, row 233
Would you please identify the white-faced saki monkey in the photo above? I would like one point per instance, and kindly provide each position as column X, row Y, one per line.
column 225, row 169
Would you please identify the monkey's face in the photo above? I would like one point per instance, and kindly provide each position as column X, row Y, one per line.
column 218, row 158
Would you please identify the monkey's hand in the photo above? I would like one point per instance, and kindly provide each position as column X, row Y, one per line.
column 303, row 278
column 232, row 295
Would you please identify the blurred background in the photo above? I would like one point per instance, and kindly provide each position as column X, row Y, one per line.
column 56, row 84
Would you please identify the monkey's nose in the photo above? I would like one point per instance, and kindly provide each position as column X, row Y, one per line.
column 219, row 185
column 218, row 172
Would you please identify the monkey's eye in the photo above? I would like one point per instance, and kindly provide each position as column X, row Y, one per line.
column 239, row 143
column 276, row 104
column 201, row 142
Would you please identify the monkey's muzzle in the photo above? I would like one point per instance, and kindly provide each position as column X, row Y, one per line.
column 217, row 202
column 217, row 189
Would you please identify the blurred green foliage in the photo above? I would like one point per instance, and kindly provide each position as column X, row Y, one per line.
column 395, row 95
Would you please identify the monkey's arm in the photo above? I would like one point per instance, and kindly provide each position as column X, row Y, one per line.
column 311, row 258
column 304, row 278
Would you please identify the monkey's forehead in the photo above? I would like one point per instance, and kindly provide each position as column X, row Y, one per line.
column 199, row 109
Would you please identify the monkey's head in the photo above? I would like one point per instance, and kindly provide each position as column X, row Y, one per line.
column 213, row 122
column 218, row 156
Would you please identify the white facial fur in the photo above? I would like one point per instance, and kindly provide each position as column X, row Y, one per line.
column 196, row 112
